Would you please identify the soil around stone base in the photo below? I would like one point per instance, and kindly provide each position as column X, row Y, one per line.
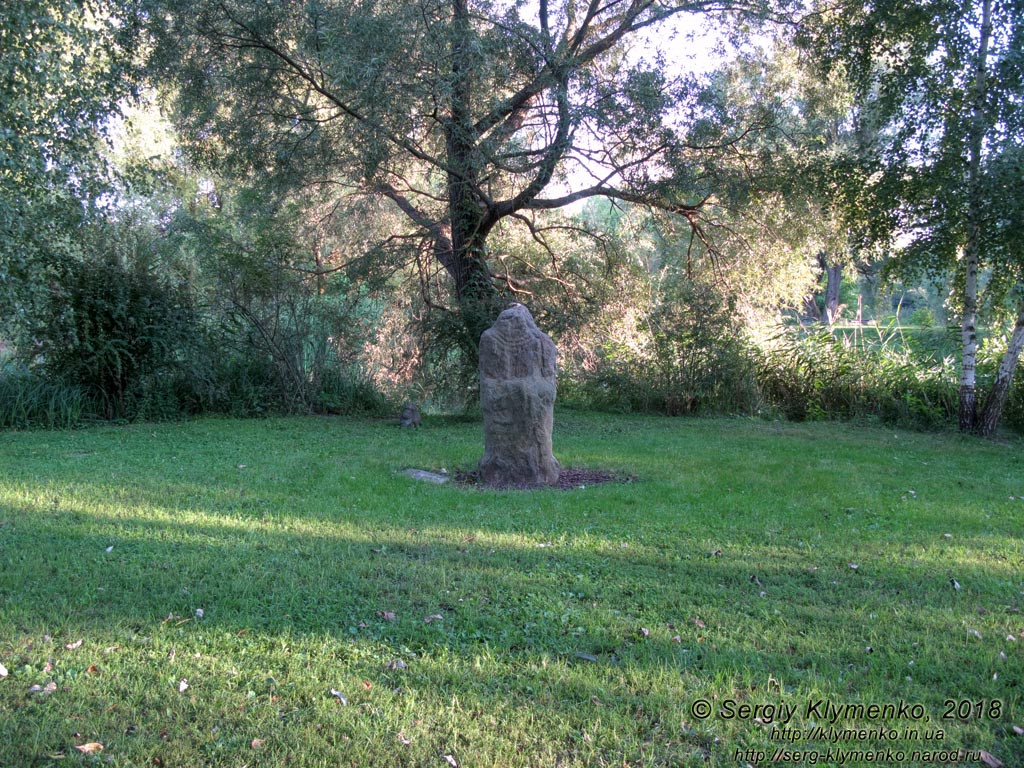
column 569, row 479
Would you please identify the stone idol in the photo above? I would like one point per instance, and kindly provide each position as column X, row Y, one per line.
column 517, row 396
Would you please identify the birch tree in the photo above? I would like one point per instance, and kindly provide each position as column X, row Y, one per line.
column 947, row 76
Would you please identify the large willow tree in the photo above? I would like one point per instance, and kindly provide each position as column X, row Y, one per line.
column 460, row 114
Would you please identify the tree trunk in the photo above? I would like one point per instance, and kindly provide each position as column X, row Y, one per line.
column 834, row 280
column 969, row 339
column 480, row 301
column 811, row 308
column 972, row 247
column 478, row 298
column 995, row 403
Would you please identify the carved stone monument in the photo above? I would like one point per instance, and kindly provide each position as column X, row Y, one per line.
column 517, row 396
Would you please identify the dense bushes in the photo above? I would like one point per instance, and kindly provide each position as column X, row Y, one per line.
column 225, row 319
column 821, row 373
column 106, row 329
column 798, row 374
column 133, row 329
column 27, row 400
column 685, row 353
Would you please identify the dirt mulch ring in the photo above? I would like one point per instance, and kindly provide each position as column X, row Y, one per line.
column 569, row 479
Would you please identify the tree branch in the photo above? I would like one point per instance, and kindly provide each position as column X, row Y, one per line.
column 299, row 69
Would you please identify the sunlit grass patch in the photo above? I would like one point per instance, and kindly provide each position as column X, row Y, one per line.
column 225, row 577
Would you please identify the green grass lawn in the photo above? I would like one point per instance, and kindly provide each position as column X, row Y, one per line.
column 191, row 594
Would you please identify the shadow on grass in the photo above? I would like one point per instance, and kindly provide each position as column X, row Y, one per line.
column 577, row 598
column 544, row 619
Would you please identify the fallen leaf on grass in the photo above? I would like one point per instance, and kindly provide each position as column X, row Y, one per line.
column 92, row 746
column 74, row 645
column 387, row 615
column 257, row 743
column 397, row 664
column 991, row 760
column 367, row 685
column 699, row 623
column 433, row 617
column 677, row 639
column 92, row 670
column 45, row 690
column 405, row 742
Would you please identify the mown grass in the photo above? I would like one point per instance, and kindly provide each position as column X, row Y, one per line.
column 576, row 628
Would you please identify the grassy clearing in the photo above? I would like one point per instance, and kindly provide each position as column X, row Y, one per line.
column 263, row 564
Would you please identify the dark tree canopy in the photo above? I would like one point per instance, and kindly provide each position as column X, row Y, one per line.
column 461, row 113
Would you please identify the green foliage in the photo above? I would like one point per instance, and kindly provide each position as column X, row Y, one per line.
column 107, row 328
column 282, row 327
column 687, row 354
column 459, row 118
column 1014, row 414
column 922, row 317
column 946, row 81
column 64, row 66
column 28, row 400
column 820, row 374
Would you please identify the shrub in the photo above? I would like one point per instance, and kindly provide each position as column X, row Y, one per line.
column 923, row 318
column 687, row 354
column 351, row 392
column 815, row 374
column 26, row 401
column 106, row 328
